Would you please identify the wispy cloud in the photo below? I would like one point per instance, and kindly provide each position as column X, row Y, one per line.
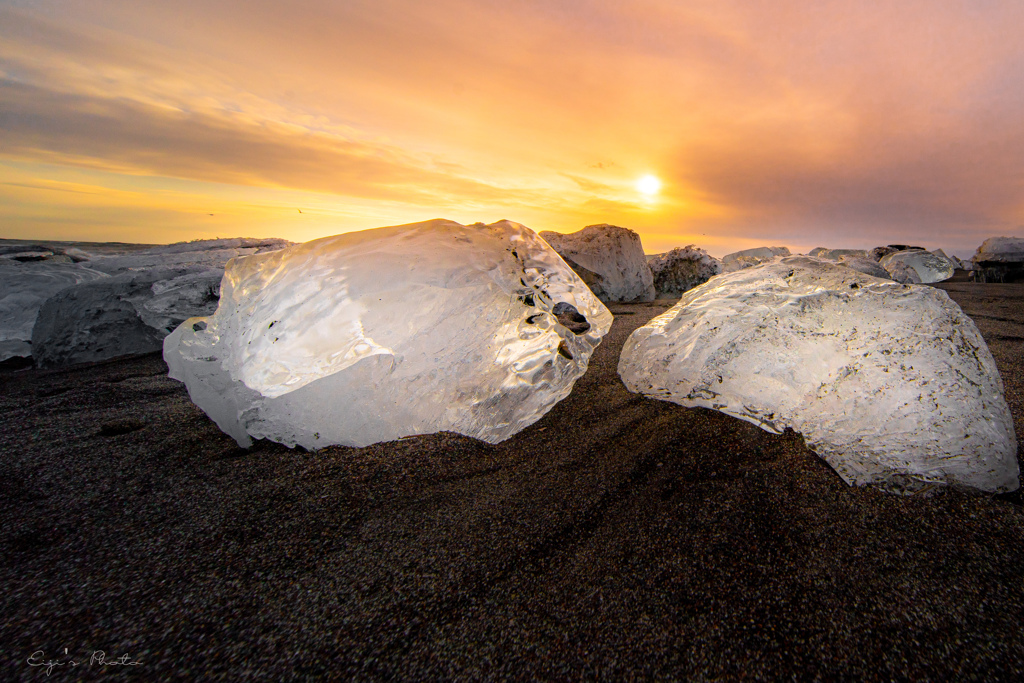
column 771, row 121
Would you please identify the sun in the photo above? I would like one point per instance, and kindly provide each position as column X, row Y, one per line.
column 648, row 185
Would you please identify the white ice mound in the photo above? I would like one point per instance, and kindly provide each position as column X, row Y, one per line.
column 374, row 335
column 999, row 259
column 891, row 384
column 609, row 259
column 748, row 258
column 929, row 267
column 682, row 269
column 23, row 289
column 1001, row 250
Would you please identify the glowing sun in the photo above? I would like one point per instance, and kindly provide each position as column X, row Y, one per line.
column 648, row 185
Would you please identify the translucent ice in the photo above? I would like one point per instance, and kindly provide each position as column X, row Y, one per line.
column 609, row 259
column 867, row 266
column 900, row 271
column 891, row 384
column 952, row 259
column 374, row 335
column 929, row 267
column 836, row 254
column 749, row 258
column 682, row 269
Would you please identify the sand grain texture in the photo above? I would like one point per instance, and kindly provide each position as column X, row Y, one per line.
column 619, row 537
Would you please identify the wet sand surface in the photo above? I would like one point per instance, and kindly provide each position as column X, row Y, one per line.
column 617, row 538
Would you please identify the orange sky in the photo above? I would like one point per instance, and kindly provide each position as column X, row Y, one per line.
column 840, row 124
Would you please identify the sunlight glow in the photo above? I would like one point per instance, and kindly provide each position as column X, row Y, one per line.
column 648, row 185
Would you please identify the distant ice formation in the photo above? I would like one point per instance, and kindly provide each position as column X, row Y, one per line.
column 123, row 314
column 748, row 258
column 891, row 384
column 927, row 266
column 209, row 253
column 1001, row 249
column 879, row 252
column 374, row 335
column 609, row 259
column 152, row 290
column 836, row 254
column 24, row 286
column 682, row 269
column 999, row 259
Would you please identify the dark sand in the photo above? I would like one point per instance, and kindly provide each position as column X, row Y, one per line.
column 619, row 537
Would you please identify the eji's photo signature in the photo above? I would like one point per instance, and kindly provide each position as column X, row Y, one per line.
column 96, row 658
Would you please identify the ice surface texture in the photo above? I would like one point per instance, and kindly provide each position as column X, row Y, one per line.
column 957, row 263
column 891, row 384
column 609, row 259
column 374, row 335
column 748, row 258
column 836, row 254
column 23, row 289
column 858, row 259
column 682, row 269
column 928, row 267
column 864, row 265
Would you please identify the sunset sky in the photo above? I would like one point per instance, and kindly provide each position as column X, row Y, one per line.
column 817, row 123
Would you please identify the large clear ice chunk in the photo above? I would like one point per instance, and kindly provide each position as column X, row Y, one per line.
column 891, row 384
column 374, row 335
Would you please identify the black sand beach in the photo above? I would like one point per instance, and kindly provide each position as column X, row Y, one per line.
column 618, row 538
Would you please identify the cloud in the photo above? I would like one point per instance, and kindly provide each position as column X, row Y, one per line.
column 766, row 120
column 118, row 134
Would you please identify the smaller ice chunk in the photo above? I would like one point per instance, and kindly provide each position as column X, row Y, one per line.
column 1001, row 249
column 867, row 266
column 878, row 252
column 928, row 267
column 682, row 269
column 609, row 259
column 748, row 258
column 837, row 254
column 999, row 259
